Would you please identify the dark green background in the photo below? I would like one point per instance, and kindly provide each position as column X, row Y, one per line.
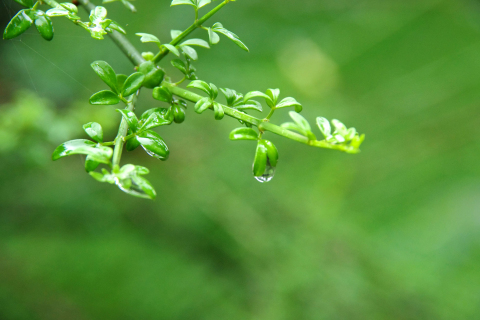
column 390, row 233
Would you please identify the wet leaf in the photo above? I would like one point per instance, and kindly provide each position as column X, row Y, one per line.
column 105, row 97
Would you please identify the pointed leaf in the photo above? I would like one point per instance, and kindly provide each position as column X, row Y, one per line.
column 218, row 27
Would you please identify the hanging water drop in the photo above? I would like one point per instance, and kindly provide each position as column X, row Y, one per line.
column 267, row 174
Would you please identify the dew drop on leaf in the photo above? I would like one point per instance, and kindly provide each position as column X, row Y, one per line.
column 267, row 175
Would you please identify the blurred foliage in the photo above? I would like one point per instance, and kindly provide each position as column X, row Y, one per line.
column 391, row 233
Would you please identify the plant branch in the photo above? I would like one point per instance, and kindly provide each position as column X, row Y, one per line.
column 122, row 133
column 136, row 58
column 198, row 23
column 261, row 124
column 122, row 42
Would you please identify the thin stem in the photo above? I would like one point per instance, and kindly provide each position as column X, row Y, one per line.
column 270, row 114
column 122, row 133
column 198, row 23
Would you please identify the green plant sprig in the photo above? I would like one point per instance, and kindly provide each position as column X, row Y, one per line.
column 135, row 132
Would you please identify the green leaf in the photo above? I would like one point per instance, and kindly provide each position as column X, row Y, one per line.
column 121, row 78
column 175, row 33
column 94, row 131
column 273, row 94
column 257, row 94
column 218, row 110
column 260, row 161
column 18, row 25
column 203, row 3
column 131, row 119
column 99, row 13
column 351, row 132
column 290, row 102
column 293, row 127
column 146, row 37
column 162, row 94
column 153, row 75
column 357, row 141
column 324, row 126
column 56, row 12
column 218, row 27
column 91, row 164
column 243, row 134
column 153, row 144
column 196, row 42
column 303, row 124
column 180, row 2
column 190, row 52
column 145, row 186
column 105, row 97
column 340, row 128
column 132, row 144
column 300, row 121
column 133, row 83
column 180, row 65
column 250, row 104
column 202, row 105
column 81, row 146
column 172, row 49
column 115, row 26
column 25, row 3
column 213, row 91
column 156, row 117
column 106, row 73
column 200, row 85
column 272, row 152
column 213, row 36
column 69, row 6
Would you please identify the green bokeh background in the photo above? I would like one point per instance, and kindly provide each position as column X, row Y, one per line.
column 390, row 233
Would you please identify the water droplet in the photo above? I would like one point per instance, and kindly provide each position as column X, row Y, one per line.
column 267, row 175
